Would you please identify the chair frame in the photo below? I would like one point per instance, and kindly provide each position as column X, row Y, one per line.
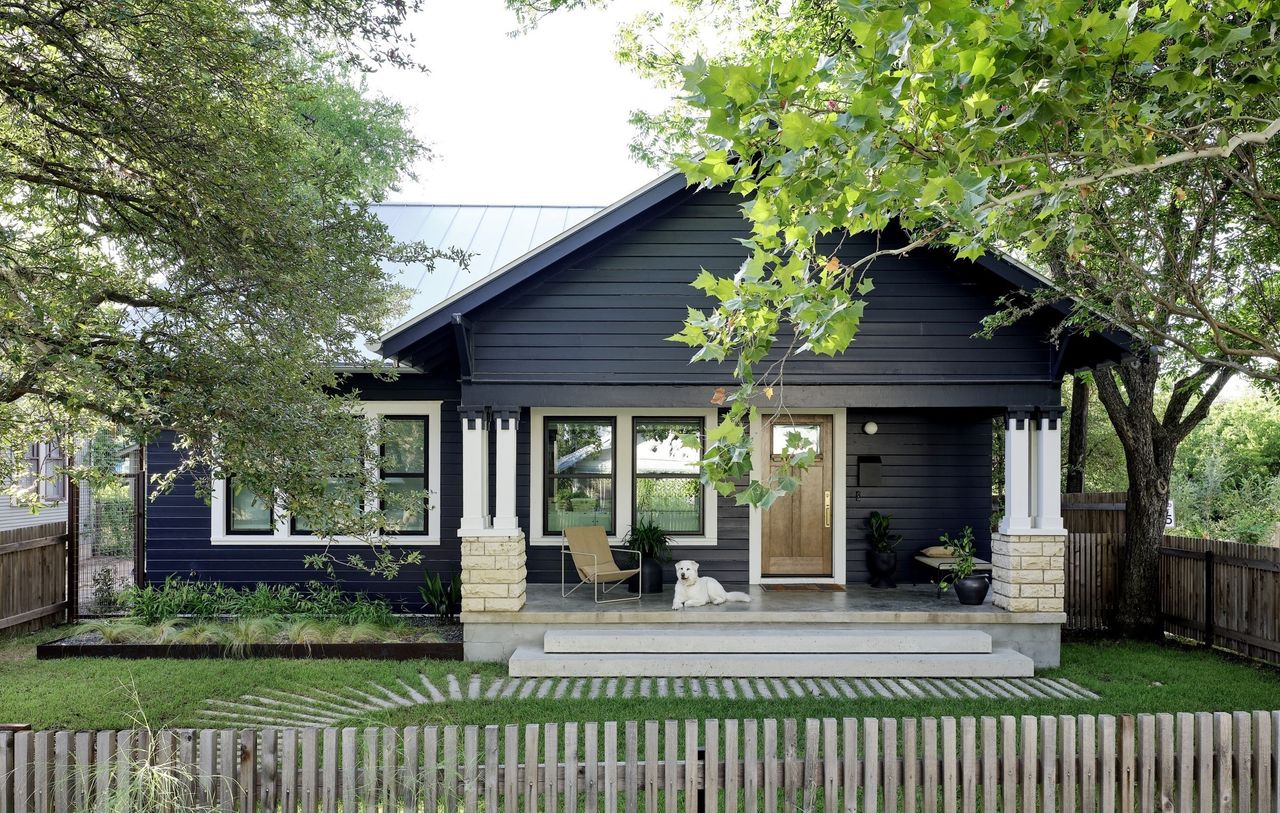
column 597, row 592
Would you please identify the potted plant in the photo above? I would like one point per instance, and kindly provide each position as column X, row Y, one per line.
column 882, row 558
column 654, row 547
column 970, row 589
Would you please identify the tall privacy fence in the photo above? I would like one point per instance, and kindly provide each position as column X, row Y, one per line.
column 1183, row 762
column 33, row 577
column 1223, row 593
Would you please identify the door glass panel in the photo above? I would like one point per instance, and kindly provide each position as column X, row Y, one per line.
column 795, row 437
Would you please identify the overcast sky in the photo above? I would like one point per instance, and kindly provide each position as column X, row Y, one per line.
column 536, row 118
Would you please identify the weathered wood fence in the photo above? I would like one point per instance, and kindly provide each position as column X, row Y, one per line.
column 1185, row 762
column 1095, row 512
column 1226, row 594
column 33, row 577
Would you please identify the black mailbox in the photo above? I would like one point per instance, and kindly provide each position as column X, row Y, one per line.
column 868, row 471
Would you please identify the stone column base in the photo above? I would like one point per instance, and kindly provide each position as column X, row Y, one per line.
column 493, row 570
column 1027, row 572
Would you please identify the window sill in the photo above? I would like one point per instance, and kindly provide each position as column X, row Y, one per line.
column 616, row 541
column 301, row 539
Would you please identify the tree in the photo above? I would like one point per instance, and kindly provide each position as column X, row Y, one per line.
column 1130, row 148
column 187, row 240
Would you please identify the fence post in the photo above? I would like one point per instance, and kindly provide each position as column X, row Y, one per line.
column 73, row 549
column 1209, row 609
column 140, row 519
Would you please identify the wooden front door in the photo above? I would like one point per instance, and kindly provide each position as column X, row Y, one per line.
column 796, row 529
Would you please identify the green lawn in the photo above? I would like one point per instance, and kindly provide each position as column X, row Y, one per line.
column 98, row 693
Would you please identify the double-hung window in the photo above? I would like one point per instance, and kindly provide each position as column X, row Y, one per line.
column 247, row 513
column 619, row 467
column 667, row 491
column 404, row 471
column 578, row 470
column 408, row 434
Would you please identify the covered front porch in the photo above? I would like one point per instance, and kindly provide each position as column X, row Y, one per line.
column 511, row 563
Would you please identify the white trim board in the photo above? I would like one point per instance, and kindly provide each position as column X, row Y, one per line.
column 839, row 509
column 623, row 479
column 370, row 409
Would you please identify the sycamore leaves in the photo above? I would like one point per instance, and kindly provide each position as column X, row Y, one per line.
column 964, row 123
column 768, row 292
column 985, row 122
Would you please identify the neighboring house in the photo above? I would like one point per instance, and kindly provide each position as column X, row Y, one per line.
column 38, row 459
column 544, row 394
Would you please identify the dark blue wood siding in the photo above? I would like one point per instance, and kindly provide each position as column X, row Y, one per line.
column 605, row 316
column 936, row 478
column 178, row 522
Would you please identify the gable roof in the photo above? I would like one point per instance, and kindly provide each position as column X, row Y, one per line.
column 493, row 235
column 662, row 192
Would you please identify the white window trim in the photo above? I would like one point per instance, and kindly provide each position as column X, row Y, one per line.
column 35, row 482
column 624, row 420
column 283, row 532
column 839, row 509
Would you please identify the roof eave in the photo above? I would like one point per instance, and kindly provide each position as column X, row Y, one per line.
column 399, row 338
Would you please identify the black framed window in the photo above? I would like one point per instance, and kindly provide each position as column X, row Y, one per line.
column 667, row 490
column 403, row 469
column 342, row 487
column 247, row 513
column 578, row 474
column 335, row 489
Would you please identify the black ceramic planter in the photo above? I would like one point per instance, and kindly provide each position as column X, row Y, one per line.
column 650, row 579
column 883, row 567
column 972, row 590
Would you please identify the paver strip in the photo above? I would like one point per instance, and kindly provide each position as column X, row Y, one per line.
column 321, row 707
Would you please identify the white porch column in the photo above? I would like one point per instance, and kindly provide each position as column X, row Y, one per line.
column 493, row 548
column 1048, row 481
column 505, row 421
column 1017, row 472
column 1027, row 553
column 475, row 468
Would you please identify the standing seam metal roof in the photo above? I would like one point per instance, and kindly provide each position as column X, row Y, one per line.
column 493, row 235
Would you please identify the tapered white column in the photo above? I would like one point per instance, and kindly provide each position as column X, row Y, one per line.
column 1048, row 480
column 505, row 422
column 475, row 468
column 1017, row 472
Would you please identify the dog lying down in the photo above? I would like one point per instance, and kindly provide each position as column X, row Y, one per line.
column 695, row 591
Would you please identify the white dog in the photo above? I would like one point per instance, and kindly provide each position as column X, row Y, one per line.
column 695, row 591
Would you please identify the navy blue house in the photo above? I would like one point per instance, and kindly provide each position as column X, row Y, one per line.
column 546, row 395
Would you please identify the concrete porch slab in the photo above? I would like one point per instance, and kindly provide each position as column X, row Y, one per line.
column 908, row 604
column 495, row 636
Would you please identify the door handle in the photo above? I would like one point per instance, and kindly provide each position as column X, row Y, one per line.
column 826, row 513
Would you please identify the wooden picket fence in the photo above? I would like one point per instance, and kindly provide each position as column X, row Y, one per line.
column 1185, row 762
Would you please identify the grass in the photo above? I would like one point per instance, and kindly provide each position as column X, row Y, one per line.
column 97, row 693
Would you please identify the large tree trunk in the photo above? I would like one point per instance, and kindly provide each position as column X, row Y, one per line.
column 1150, row 443
column 1138, row 608
column 1077, row 435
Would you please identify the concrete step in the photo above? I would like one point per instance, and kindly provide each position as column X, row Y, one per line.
column 533, row 662
column 691, row 639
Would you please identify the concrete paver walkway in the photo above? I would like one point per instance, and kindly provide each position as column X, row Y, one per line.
column 320, row 707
